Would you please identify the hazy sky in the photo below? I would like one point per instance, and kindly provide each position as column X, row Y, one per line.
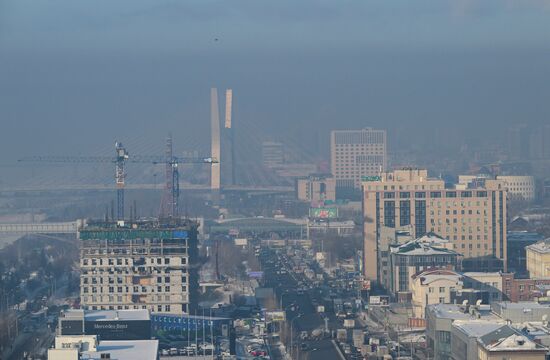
column 76, row 75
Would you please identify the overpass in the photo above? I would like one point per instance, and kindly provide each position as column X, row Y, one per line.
column 110, row 187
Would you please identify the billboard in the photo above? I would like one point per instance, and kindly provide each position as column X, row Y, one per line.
column 323, row 212
column 119, row 329
column 275, row 316
column 379, row 300
column 241, row 242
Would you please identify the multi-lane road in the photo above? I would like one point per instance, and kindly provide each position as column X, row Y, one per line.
column 297, row 295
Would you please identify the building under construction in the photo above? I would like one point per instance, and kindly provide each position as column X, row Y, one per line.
column 139, row 265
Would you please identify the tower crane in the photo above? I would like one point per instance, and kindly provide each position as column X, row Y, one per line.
column 170, row 199
column 172, row 190
column 120, row 158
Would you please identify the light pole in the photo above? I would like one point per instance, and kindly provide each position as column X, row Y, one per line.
column 291, row 333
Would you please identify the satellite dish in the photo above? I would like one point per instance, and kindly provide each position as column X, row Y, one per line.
column 478, row 302
column 544, row 317
column 465, row 302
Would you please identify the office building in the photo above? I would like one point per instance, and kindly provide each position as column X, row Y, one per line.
column 355, row 154
column 426, row 253
column 520, row 188
column 272, row 154
column 140, row 265
column 471, row 216
column 316, row 189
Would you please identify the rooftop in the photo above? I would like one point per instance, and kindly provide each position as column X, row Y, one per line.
column 481, row 273
column 508, row 339
column 428, row 279
column 153, row 224
column 523, row 305
column 106, row 315
column 477, row 328
column 457, row 312
column 542, row 247
column 429, row 244
column 125, row 350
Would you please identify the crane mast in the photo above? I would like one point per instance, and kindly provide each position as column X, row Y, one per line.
column 120, row 175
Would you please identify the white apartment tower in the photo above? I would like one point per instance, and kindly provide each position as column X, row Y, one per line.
column 355, row 154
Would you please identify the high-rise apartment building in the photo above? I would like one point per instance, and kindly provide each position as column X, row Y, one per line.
column 140, row 265
column 472, row 216
column 355, row 154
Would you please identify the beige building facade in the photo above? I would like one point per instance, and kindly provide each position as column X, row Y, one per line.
column 355, row 154
column 538, row 260
column 433, row 287
column 141, row 266
column 472, row 217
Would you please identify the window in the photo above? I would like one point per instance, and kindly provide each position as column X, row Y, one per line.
column 389, row 214
column 441, row 289
column 435, row 194
column 389, row 195
column 404, row 195
column 420, row 194
column 441, row 300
